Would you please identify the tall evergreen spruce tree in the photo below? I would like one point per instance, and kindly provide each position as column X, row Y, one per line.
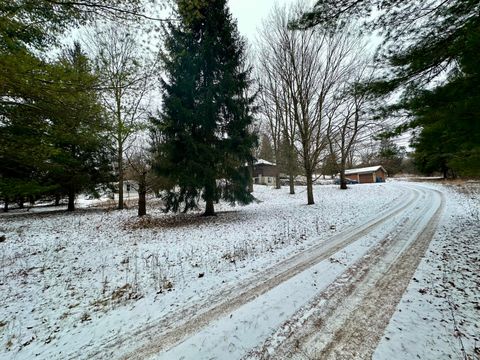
column 206, row 109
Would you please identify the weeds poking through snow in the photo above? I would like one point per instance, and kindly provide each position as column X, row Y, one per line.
column 85, row 317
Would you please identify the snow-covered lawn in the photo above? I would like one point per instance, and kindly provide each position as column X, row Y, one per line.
column 70, row 283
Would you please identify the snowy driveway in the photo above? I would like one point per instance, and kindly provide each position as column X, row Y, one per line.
column 297, row 287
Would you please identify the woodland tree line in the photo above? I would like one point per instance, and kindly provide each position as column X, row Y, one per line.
column 311, row 94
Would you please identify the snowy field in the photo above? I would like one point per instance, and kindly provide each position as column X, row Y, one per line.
column 70, row 283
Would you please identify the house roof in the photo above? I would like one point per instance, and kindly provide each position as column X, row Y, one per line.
column 364, row 170
column 263, row 162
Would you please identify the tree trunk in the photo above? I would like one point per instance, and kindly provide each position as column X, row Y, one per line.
column 277, row 156
column 209, row 198
column 445, row 172
column 250, row 177
column 310, row 200
column 120, row 175
column 277, row 181
column 291, row 168
column 71, row 200
column 291, row 183
column 21, row 202
column 57, row 199
column 31, row 200
column 142, row 197
column 209, row 209
column 5, row 205
column 343, row 180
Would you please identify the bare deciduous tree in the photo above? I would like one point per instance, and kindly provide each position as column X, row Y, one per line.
column 126, row 82
column 139, row 169
column 347, row 114
column 275, row 97
column 270, row 110
column 307, row 66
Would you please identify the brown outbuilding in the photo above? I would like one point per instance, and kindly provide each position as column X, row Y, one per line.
column 372, row 174
column 264, row 172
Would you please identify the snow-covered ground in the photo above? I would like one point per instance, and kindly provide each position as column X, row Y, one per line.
column 71, row 283
column 439, row 315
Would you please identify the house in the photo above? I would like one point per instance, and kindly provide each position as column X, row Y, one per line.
column 264, row 172
column 364, row 175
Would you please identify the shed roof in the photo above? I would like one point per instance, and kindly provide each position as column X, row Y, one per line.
column 364, row 170
column 263, row 162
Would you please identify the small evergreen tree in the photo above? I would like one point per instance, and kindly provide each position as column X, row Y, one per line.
column 81, row 157
column 206, row 109
column 266, row 149
column 330, row 165
column 23, row 153
column 390, row 156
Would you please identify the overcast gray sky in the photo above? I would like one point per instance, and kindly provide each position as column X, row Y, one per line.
column 249, row 14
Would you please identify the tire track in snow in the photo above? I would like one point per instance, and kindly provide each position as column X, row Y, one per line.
column 181, row 324
column 348, row 319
